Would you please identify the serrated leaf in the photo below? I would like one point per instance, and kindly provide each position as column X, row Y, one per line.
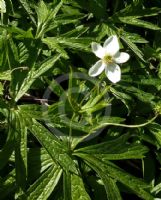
column 155, row 129
column 73, row 43
column 65, row 19
column 34, row 74
column 23, row 52
column 138, row 22
column 27, row 8
column 32, row 110
column 20, row 33
column 111, row 188
column 133, row 37
column 133, row 152
column 133, row 47
column 135, row 184
column 78, row 189
column 140, row 94
column 42, row 12
column 156, row 189
column 105, row 29
column 44, row 186
column 20, row 153
column 149, row 82
column 55, row 87
column 45, row 17
column 56, row 149
column 38, row 161
column 136, row 10
column 125, row 98
column 117, row 149
column 77, row 32
column 106, row 147
column 52, row 44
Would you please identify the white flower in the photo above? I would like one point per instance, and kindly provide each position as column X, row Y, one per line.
column 2, row 6
column 109, row 57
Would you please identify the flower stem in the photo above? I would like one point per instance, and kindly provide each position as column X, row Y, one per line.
column 125, row 125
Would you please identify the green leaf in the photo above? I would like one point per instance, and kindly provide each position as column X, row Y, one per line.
column 32, row 110
column 133, row 47
column 19, row 33
column 149, row 82
column 156, row 189
column 55, row 87
column 1, row 89
column 6, row 75
column 20, row 153
column 67, row 185
column 42, row 12
column 23, row 52
column 64, row 19
column 133, row 37
column 27, row 8
column 45, row 17
column 135, row 184
column 75, row 125
column 149, row 168
column 45, row 185
column 73, row 43
column 56, row 149
column 133, row 152
column 137, row 10
column 98, row 8
column 78, row 190
column 38, row 161
column 140, row 94
column 8, row 148
column 125, row 98
column 117, row 149
column 34, row 74
column 111, row 188
column 138, row 22
column 52, row 44
column 105, row 29
column 106, row 147
column 155, row 129
column 8, row 186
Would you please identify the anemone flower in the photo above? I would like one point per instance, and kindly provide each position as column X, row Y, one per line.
column 110, row 57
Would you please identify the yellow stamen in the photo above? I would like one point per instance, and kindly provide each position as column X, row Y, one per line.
column 107, row 59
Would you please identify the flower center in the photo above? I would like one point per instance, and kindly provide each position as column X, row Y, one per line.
column 107, row 59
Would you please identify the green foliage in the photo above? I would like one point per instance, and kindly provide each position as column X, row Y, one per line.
column 64, row 134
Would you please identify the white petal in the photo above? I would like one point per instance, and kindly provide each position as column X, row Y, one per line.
column 111, row 45
column 97, row 69
column 2, row 6
column 98, row 50
column 113, row 72
column 121, row 57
